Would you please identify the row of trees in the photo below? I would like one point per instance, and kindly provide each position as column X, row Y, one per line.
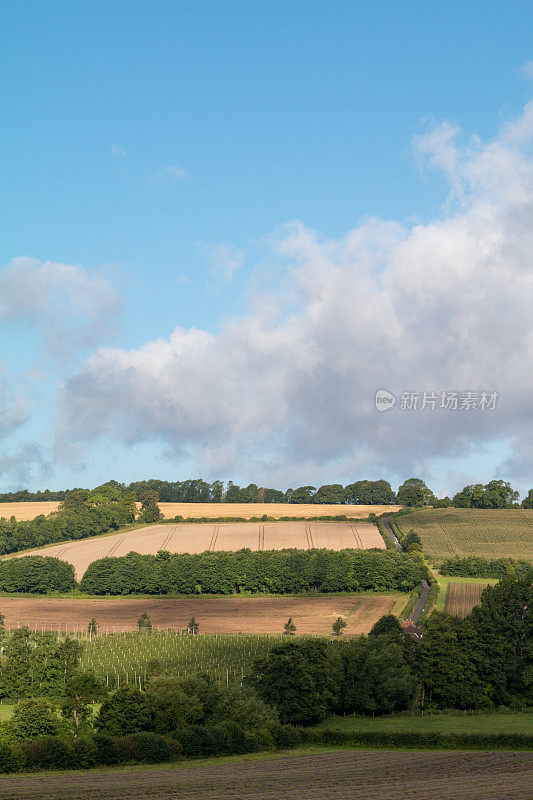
column 413, row 492
column 275, row 571
column 479, row 567
column 481, row 661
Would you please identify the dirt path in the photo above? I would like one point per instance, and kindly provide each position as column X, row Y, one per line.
column 339, row 775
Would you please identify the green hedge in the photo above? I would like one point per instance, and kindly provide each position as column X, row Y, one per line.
column 479, row 567
column 36, row 575
column 199, row 741
column 275, row 571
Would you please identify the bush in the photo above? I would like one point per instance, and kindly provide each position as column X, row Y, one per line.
column 50, row 752
column 153, row 748
column 8, row 758
column 83, row 753
column 107, row 752
column 199, row 740
column 285, row 736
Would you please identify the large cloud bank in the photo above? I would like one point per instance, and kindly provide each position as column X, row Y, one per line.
column 445, row 305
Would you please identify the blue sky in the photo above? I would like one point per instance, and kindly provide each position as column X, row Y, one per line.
column 162, row 149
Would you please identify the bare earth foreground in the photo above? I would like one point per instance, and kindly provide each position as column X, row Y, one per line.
column 312, row 615
column 356, row 774
column 198, row 537
column 22, row 511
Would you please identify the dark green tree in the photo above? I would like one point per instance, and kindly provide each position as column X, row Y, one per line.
column 32, row 718
column 81, row 690
column 387, row 625
column 124, row 712
column 414, row 492
column 300, row 678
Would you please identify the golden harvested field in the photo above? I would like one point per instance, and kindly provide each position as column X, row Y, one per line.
column 22, row 511
column 270, row 509
column 337, row 775
column 254, row 615
column 492, row 533
column 198, row 537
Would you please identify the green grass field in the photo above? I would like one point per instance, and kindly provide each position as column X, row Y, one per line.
column 516, row 722
column 491, row 533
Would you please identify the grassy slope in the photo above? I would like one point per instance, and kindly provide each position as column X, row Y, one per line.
column 518, row 722
column 492, row 533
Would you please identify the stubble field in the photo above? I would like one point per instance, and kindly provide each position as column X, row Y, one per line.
column 24, row 511
column 338, row 775
column 491, row 533
column 199, row 537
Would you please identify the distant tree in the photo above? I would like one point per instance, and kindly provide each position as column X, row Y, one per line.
column 527, row 502
column 369, row 493
column 300, row 678
column 144, row 622
column 289, row 627
column 172, row 706
column 337, row 626
column 193, row 626
column 80, row 691
column 304, row 494
column 32, row 718
column 150, row 511
column 124, row 712
column 92, row 628
column 329, row 494
column 388, row 625
column 377, row 676
column 443, row 502
column 414, row 492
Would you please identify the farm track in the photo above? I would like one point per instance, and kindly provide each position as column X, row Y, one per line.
column 337, row 775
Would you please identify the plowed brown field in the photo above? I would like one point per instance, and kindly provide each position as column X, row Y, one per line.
column 312, row 615
column 198, row 537
column 340, row 775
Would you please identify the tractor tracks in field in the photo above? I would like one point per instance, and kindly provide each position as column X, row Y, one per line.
column 309, row 538
column 113, row 549
column 261, row 538
column 214, row 538
column 168, row 538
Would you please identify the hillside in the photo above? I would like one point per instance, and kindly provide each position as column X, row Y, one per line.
column 492, row 533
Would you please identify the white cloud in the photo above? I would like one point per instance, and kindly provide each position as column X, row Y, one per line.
column 117, row 151
column 224, row 259
column 175, row 172
column 527, row 69
column 440, row 306
column 71, row 307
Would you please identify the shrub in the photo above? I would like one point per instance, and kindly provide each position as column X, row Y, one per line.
column 285, row 736
column 8, row 758
column 153, row 748
column 50, row 752
column 82, row 753
column 106, row 749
